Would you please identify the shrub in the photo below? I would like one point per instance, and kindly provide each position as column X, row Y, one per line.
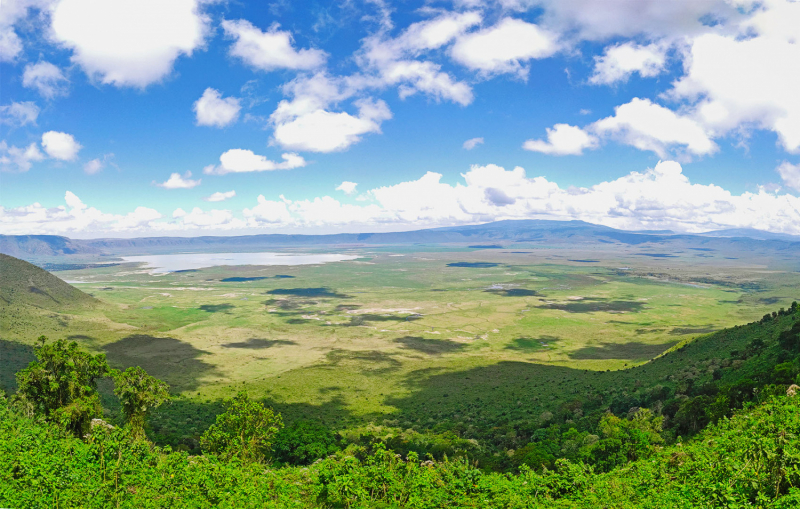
column 245, row 430
column 61, row 384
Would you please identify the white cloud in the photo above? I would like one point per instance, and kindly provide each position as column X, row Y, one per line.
column 622, row 60
column 426, row 77
column 595, row 20
column 219, row 196
column 269, row 50
column 46, row 78
column 11, row 12
column 93, row 166
column 61, row 146
column 429, row 34
column 10, row 44
column 391, row 61
column 268, row 212
column 472, row 143
column 175, row 181
column 19, row 114
column 324, row 211
column 21, row 159
column 129, row 42
column 325, row 131
column 214, row 218
column 74, row 218
column 347, row 187
column 563, row 139
column 96, row 165
column 657, row 198
column 741, row 81
column 212, row 110
column 648, row 126
column 237, row 160
column 790, row 173
column 505, row 47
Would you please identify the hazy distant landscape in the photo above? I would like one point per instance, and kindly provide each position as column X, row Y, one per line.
column 356, row 340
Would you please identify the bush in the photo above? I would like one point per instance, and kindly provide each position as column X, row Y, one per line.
column 245, row 431
column 304, row 442
column 61, row 385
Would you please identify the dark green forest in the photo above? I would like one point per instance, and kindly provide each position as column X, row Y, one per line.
column 714, row 422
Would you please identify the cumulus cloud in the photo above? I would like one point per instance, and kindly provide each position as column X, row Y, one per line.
column 212, row 110
column 129, row 42
column 472, row 143
column 19, row 159
column 620, row 61
column 268, row 212
column 750, row 80
column 649, row 126
column 176, row 181
column 45, row 78
column 239, row 160
column 12, row 12
column 96, row 165
column 18, row 114
column 790, row 173
column 320, row 130
column 10, row 44
column 392, row 61
column 348, row 188
column 563, row 139
column 306, row 122
column 61, row 146
column 591, row 20
column 73, row 218
column 661, row 197
column 219, row 196
column 198, row 218
column 324, row 211
column 93, row 166
column 269, row 50
column 505, row 47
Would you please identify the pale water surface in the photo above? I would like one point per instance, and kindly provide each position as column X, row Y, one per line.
column 189, row 261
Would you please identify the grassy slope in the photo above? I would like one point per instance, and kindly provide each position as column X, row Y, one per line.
column 751, row 460
column 25, row 284
column 35, row 300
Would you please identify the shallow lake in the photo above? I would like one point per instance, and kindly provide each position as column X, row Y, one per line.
column 189, row 261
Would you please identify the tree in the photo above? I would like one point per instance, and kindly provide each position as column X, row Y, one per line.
column 61, row 384
column 303, row 442
column 138, row 393
column 245, row 430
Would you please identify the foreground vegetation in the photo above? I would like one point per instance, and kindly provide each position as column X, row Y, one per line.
column 729, row 437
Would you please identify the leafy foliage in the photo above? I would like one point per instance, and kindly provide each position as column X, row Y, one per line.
column 727, row 437
column 246, row 430
column 138, row 392
column 303, row 442
column 61, row 384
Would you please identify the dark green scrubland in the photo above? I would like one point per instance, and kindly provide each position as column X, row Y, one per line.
column 714, row 422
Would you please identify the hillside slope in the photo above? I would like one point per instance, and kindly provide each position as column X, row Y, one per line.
column 43, row 245
column 24, row 284
column 751, row 460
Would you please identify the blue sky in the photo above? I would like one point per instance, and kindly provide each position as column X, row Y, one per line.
column 126, row 118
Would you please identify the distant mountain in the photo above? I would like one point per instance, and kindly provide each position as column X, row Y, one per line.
column 497, row 234
column 43, row 245
column 25, row 284
column 752, row 233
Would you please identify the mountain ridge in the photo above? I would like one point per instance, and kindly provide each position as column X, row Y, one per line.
column 511, row 231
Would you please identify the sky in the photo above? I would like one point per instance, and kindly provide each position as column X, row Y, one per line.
column 124, row 118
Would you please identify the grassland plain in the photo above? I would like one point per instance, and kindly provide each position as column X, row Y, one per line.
column 355, row 341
